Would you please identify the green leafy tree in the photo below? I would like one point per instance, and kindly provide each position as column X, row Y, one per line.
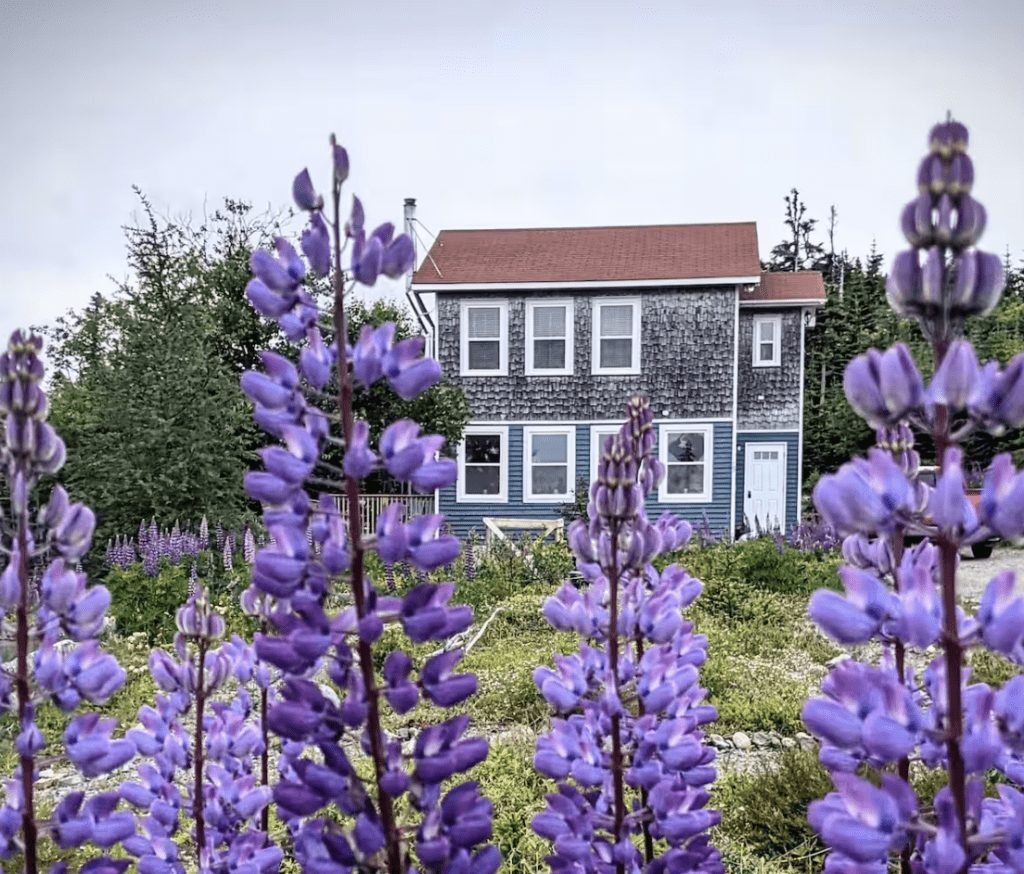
column 145, row 392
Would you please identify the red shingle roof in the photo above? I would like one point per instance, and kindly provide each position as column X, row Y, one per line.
column 592, row 254
column 805, row 285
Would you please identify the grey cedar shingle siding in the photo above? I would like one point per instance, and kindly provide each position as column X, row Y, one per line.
column 685, row 359
column 769, row 397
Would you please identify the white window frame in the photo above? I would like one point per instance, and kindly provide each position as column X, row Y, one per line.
column 634, row 366
column 531, row 369
column 708, row 430
column 598, row 433
column 460, row 484
column 570, row 460
column 776, row 359
column 466, row 306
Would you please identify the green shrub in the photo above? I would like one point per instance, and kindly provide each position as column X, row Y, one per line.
column 762, row 564
column 766, row 811
column 147, row 604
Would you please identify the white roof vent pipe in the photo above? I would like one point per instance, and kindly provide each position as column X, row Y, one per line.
column 415, row 301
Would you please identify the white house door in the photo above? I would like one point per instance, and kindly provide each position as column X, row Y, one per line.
column 764, row 487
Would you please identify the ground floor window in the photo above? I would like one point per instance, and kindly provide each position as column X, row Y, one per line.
column 549, row 463
column 483, row 464
column 685, row 450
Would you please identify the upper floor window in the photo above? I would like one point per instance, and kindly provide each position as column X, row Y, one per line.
column 686, row 454
column 549, row 454
column 484, row 338
column 767, row 341
column 616, row 335
column 549, row 337
column 483, row 464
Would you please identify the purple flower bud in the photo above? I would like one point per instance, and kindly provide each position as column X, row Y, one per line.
column 316, row 245
column 359, row 460
column 399, row 257
column 970, row 223
column 1001, row 616
column 305, row 197
column 949, row 506
column 408, row 374
column 73, row 535
column 1002, row 498
column 903, row 287
column 956, row 377
column 267, row 303
column 315, row 360
column 271, row 272
column 340, row 157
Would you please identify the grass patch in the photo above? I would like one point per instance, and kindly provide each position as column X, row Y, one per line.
column 765, row 813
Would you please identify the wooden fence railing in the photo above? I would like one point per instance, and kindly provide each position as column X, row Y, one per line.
column 371, row 506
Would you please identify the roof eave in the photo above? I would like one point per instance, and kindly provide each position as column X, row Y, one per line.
column 789, row 302
column 582, row 285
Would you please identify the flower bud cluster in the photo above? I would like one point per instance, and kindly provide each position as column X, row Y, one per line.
column 942, row 280
column 54, row 623
column 313, row 546
column 628, row 703
column 882, row 717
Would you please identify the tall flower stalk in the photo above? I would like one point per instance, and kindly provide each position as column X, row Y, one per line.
column 339, row 820
column 60, row 608
column 885, row 717
column 626, row 746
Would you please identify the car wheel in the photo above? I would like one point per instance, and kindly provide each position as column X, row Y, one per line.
column 981, row 550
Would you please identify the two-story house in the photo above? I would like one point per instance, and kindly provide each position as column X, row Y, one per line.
column 551, row 330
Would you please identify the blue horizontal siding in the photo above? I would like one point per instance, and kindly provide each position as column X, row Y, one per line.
column 792, row 441
column 464, row 518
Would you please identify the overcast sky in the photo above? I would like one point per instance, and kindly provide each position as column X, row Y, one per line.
column 491, row 114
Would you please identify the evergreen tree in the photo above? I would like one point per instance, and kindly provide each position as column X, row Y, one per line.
column 797, row 251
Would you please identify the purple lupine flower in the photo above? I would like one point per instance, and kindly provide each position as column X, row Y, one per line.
column 311, row 550
column 174, row 545
column 880, row 716
column 204, row 534
column 218, row 533
column 149, row 561
column 636, row 638
column 222, row 796
column 46, row 608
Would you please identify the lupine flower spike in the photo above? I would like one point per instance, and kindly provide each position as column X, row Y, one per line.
column 628, row 705
column 882, row 717
column 339, row 820
column 63, row 610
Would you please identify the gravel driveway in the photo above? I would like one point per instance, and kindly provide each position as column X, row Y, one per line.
column 974, row 573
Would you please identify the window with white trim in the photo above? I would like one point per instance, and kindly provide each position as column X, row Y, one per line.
column 549, row 326
column 598, row 435
column 549, row 463
column 483, row 465
column 616, row 328
column 686, row 452
column 484, row 331
column 767, row 341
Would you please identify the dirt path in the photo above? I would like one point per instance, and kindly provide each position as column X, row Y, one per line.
column 975, row 573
